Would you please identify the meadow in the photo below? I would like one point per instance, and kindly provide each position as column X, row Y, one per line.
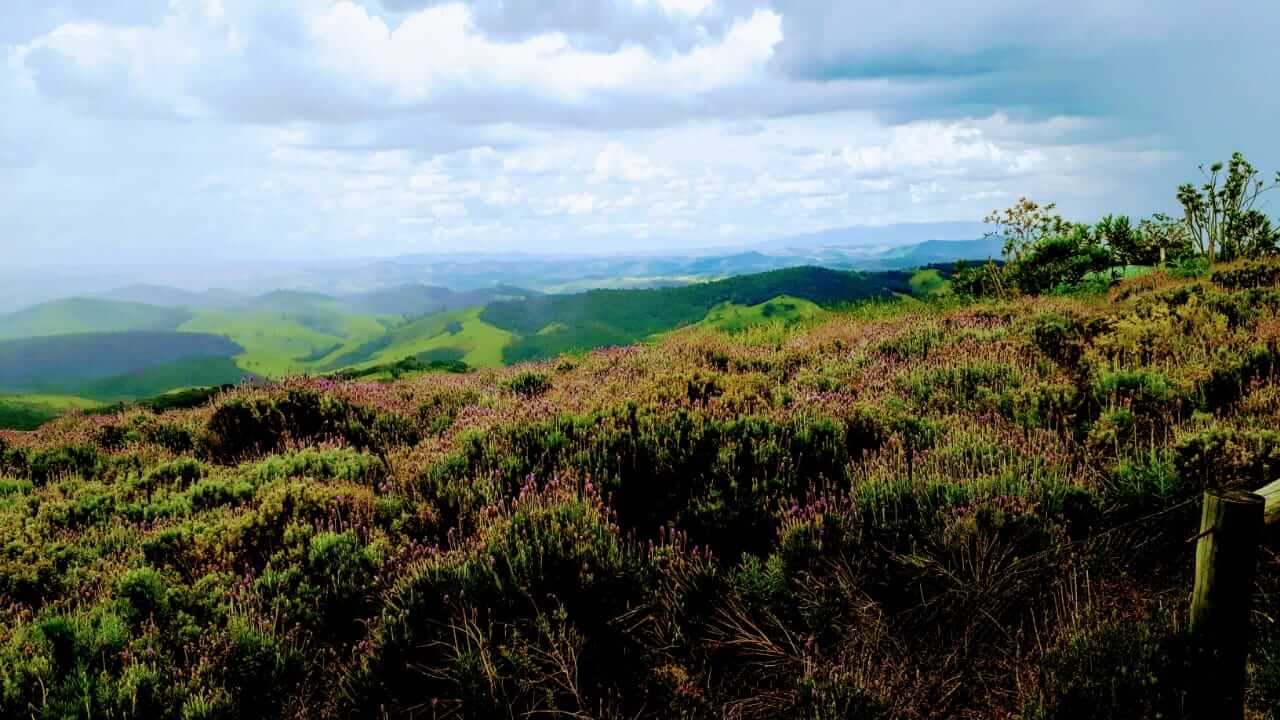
column 946, row 507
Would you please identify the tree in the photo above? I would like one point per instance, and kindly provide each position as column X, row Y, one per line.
column 987, row 280
column 1221, row 213
column 1124, row 240
column 1059, row 261
column 1025, row 224
column 1165, row 238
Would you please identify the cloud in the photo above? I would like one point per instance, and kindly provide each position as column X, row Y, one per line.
column 162, row 129
column 339, row 63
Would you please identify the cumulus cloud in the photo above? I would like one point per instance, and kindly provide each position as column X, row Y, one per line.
column 172, row 128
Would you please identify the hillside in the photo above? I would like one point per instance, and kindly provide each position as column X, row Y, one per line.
column 419, row 300
column 84, row 315
column 165, row 296
column 290, row 332
column 554, row 324
column 791, row 521
column 66, row 362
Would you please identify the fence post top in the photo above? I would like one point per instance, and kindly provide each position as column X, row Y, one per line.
column 1236, row 497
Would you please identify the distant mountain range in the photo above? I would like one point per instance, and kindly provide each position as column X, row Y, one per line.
column 872, row 239
column 377, row 284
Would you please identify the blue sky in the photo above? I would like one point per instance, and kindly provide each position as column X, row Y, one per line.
column 192, row 130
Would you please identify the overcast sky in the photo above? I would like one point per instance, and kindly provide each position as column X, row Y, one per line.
column 165, row 130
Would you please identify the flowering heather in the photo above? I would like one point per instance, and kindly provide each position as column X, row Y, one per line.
column 889, row 511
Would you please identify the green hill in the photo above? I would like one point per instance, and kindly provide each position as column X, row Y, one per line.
column 63, row 363
column 192, row 372
column 86, row 315
column 457, row 335
column 732, row 318
column 553, row 324
column 276, row 343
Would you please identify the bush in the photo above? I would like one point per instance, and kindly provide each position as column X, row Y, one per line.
column 143, row 593
column 529, row 384
column 1110, row 667
column 242, row 428
column 68, row 461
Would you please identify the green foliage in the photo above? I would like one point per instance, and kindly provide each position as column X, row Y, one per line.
column 1058, row 261
column 601, row 318
column 1222, row 215
column 529, row 384
column 1110, row 667
column 911, row 509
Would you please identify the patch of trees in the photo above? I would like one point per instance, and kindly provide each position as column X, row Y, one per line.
column 1043, row 252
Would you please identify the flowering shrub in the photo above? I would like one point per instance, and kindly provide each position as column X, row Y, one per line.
column 906, row 511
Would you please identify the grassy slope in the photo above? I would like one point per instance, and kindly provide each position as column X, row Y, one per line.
column 27, row 412
column 82, row 315
column 476, row 342
column 928, row 283
column 618, row 317
column 284, row 333
column 151, row 382
column 732, row 318
column 63, row 362
column 278, row 343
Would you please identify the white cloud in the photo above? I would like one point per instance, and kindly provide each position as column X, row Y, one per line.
column 616, row 162
column 688, row 8
column 439, row 49
column 291, row 127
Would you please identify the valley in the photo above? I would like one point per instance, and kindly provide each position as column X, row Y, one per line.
column 98, row 350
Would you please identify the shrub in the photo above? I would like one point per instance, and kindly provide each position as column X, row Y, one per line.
column 71, row 460
column 143, row 593
column 1106, row 666
column 529, row 384
column 242, row 428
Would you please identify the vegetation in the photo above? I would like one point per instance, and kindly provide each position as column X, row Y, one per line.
column 65, row 363
column 552, row 324
column 894, row 510
column 78, row 316
column 975, row 505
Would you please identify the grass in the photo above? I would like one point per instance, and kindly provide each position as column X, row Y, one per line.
column 278, row 343
column 785, row 310
column 83, row 315
column 929, row 283
column 27, row 412
column 185, row 374
column 454, row 335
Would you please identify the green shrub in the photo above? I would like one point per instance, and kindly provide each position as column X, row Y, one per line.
column 241, row 428
column 1110, row 667
column 529, row 384
column 71, row 460
column 143, row 594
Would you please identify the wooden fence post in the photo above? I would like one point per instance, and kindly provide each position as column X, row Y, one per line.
column 1226, row 555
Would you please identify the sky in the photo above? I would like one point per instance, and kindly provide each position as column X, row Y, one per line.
column 198, row 130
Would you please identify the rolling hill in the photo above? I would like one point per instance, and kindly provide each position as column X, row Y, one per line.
column 88, row 315
column 166, row 296
column 293, row 332
column 554, row 324
column 66, row 363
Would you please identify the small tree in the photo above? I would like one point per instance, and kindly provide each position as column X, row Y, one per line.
column 1060, row 261
column 1025, row 224
column 1165, row 238
column 1124, row 240
column 1221, row 213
